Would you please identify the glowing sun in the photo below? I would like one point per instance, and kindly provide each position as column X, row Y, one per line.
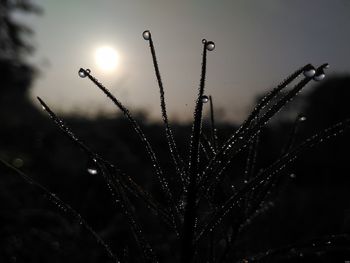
column 107, row 58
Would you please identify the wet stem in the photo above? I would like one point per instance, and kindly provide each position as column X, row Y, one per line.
column 188, row 248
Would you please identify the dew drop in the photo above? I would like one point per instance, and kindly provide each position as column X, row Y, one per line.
column 146, row 35
column 82, row 73
column 91, row 167
column 319, row 76
column 302, row 118
column 92, row 171
column 204, row 41
column 309, row 72
column 292, row 176
column 205, row 99
column 88, row 70
column 210, row 45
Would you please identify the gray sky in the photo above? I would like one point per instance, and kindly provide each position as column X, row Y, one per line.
column 258, row 43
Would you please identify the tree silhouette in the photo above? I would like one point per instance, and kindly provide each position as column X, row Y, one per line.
column 16, row 73
column 13, row 43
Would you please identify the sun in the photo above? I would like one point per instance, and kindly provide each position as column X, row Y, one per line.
column 107, row 58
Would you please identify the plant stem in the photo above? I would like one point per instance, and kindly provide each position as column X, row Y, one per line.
column 214, row 137
column 190, row 209
column 179, row 165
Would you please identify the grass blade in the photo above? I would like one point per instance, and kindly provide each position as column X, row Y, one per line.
column 325, row 243
column 190, row 209
column 179, row 165
column 214, row 137
column 207, row 147
column 117, row 190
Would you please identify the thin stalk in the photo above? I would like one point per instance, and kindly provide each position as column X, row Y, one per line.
column 206, row 146
column 179, row 165
column 324, row 243
column 250, row 167
column 190, row 209
column 260, row 194
column 214, row 137
column 126, row 206
column 293, row 134
column 251, row 159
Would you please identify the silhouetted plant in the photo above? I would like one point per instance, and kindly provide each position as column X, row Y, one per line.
column 199, row 207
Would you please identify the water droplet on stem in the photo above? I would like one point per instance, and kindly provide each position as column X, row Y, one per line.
column 146, row 35
column 92, row 167
column 320, row 75
column 83, row 73
column 302, row 118
column 92, row 171
column 210, row 46
column 309, row 72
column 205, row 98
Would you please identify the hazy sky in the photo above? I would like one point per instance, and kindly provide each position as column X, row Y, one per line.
column 258, row 43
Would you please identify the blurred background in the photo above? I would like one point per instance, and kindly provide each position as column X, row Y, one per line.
column 44, row 43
